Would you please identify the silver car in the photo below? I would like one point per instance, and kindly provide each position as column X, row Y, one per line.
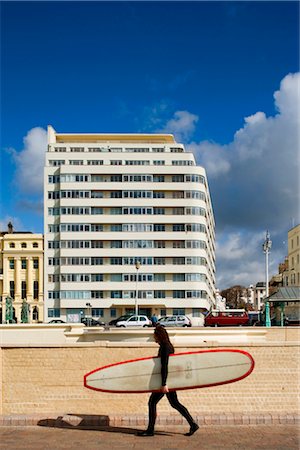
column 134, row 321
column 175, row 321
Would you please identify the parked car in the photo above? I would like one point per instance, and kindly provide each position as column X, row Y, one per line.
column 227, row 318
column 175, row 321
column 114, row 321
column 57, row 321
column 89, row 322
column 134, row 321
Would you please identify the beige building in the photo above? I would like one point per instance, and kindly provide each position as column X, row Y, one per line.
column 21, row 273
column 293, row 271
column 289, row 270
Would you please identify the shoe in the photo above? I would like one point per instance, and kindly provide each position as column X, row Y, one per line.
column 145, row 433
column 193, row 429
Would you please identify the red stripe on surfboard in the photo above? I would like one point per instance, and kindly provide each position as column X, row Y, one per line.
column 174, row 354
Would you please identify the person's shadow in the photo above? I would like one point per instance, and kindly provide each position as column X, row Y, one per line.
column 88, row 422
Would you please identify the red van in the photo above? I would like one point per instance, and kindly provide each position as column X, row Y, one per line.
column 227, row 318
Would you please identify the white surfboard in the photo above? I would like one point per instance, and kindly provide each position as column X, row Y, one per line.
column 188, row 370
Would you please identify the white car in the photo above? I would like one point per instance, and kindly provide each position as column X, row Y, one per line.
column 134, row 321
column 174, row 321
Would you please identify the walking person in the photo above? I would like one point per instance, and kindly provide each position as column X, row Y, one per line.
column 165, row 350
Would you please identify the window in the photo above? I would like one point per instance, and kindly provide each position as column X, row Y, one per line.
column 116, row 194
column 97, row 312
column 116, row 261
column 76, row 162
column 159, row 277
column 96, row 227
column 159, row 294
column 158, row 194
column 96, row 194
column 23, row 289
column 35, row 245
column 116, row 244
column 178, row 294
column 116, row 294
column 178, row 277
column 12, row 289
column 95, row 162
column 113, row 312
column 163, row 312
column 177, row 178
column 35, row 290
column 178, row 261
column 178, row 211
column 159, row 244
column 116, row 277
column 11, row 245
column 116, row 162
column 178, row 227
column 158, row 178
column 179, row 311
column 159, row 211
column 159, row 227
column 196, row 312
column 35, row 263
column 23, row 245
column 53, row 312
column 116, row 227
column 115, row 211
column 159, row 261
column 23, row 264
column 11, row 263
column 159, row 162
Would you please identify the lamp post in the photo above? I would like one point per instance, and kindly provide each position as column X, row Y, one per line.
column 88, row 314
column 137, row 266
column 266, row 249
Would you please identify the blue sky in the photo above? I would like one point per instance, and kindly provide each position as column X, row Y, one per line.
column 222, row 76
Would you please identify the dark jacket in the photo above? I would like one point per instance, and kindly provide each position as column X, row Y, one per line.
column 165, row 350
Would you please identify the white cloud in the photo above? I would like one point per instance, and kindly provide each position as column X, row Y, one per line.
column 30, row 162
column 261, row 166
column 182, row 125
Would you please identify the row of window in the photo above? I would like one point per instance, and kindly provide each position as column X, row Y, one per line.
column 127, row 227
column 95, row 210
column 120, row 162
column 127, row 261
column 56, row 195
column 139, row 178
column 86, row 295
column 23, row 245
column 124, row 277
column 24, row 263
column 120, row 149
column 24, row 289
column 139, row 243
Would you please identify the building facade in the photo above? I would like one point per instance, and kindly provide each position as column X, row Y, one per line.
column 128, row 223
column 289, row 270
column 21, row 275
column 293, row 270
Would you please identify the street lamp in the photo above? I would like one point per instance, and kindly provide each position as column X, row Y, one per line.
column 137, row 266
column 88, row 314
column 266, row 249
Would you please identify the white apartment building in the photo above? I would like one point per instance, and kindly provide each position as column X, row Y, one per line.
column 128, row 222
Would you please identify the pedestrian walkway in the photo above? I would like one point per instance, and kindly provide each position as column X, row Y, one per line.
column 208, row 437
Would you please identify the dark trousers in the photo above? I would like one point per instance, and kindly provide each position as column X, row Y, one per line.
column 155, row 397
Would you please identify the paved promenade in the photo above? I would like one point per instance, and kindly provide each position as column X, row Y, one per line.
column 208, row 437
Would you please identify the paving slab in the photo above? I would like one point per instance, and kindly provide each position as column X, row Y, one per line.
column 208, row 437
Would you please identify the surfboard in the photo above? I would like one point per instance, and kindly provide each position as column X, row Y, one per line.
column 189, row 370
